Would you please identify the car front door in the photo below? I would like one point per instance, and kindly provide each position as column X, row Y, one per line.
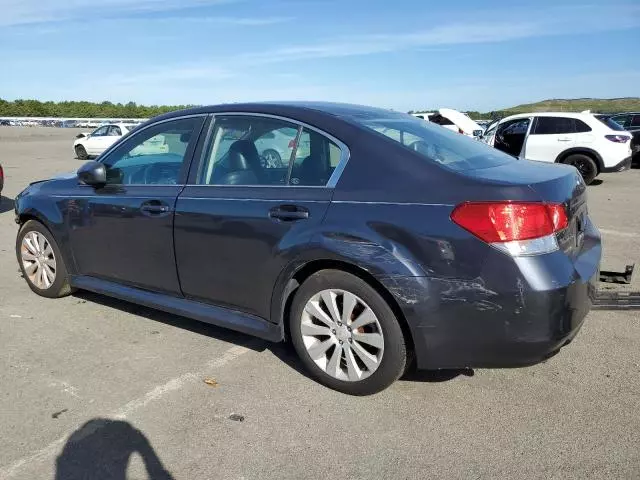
column 510, row 136
column 549, row 137
column 240, row 219
column 98, row 141
column 123, row 231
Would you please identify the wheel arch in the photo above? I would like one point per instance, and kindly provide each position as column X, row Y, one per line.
column 281, row 303
column 584, row 151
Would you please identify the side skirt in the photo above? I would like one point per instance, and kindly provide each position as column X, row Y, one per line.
column 219, row 316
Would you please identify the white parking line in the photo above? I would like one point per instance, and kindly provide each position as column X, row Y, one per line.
column 618, row 233
column 123, row 412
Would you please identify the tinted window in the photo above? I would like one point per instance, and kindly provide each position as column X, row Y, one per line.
column 247, row 150
column 514, row 127
column 316, row 158
column 554, row 126
column 581, row 127
column 440, row 120
column 438, row 145
column 635, row 122
column 153, row 156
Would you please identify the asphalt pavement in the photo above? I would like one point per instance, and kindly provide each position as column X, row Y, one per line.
column 92, row 387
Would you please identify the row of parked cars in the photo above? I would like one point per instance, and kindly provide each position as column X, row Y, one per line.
column 592, row 143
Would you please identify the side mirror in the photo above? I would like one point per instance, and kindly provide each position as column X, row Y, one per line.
column 93, row 173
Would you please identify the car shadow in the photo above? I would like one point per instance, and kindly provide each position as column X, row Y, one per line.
column 284, row 351
column 101, row 450
column 596, row 182
column 6, row 204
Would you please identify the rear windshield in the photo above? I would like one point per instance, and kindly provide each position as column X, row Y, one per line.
column 435, row 143
column 612, row 124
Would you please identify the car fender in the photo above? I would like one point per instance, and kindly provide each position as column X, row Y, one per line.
column 35, row 207
column 586, row 150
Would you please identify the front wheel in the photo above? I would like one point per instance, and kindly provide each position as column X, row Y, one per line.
column 81, row 152
column 346, row 335
column 41, row 262
column 585, row 165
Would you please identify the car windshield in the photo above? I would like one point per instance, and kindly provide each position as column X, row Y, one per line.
column 435, row 143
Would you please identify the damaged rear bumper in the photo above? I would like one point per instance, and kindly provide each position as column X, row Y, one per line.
column 462, row 323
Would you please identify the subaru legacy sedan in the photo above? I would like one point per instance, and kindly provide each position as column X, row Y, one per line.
column 389, row 242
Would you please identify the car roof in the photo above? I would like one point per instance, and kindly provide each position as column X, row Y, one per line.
column 285, row 108
column 579, row 115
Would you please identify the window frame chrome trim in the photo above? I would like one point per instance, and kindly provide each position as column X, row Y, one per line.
column 345, row 153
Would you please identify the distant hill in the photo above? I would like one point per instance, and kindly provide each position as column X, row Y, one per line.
column 600, row 105
column 596, row 105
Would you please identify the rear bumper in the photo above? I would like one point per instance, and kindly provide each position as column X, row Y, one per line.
column 620, row 167
column 504, row 319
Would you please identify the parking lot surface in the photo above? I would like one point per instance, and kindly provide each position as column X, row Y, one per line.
column 85, row 381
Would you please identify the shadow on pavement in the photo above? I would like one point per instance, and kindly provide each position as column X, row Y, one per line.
column 596, row 182
column 101, row 450
column 284, row 351
column 6, row 204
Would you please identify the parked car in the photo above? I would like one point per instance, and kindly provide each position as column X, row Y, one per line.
column 93, row 144
column 392, row 240
column 456, row 122
column 577, row 139
column 277, row 145
column 631, row 123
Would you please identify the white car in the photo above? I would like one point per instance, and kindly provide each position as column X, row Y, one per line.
column 577, row 139
column 96, row 142
column 456, row 121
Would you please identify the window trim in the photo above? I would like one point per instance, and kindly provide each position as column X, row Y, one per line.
column 187, row 162
column 345, row 153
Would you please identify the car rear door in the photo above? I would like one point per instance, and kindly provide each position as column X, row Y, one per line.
column 240, row 220
column 549, row 137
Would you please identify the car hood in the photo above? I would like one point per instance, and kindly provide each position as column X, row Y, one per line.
column 460, row 119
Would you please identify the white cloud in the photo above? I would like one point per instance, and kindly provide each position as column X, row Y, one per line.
column 22, row 12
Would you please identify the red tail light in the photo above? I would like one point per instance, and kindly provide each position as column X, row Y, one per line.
column 460, row 130
column 499, row 222
column 617, row 138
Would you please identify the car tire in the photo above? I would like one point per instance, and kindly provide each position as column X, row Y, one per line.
column 272, row 158
column 81, row 152
column 358, row 367
column 41, row 254
column 585, row 165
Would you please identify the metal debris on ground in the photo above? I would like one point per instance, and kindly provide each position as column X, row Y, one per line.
column 617, row 301
column 236, row 418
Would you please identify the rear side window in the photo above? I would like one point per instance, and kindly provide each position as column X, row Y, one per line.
column 438, row 145
column 440, row 120
column 554, row 126
column 581, row 127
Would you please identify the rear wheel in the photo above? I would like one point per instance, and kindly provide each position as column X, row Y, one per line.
column 272, row 158
column 81, row 152
column 585, row 165
column 41, row 262
column 346, row 335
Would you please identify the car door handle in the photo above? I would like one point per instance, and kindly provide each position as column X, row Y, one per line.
column 289, row 213
column 154, row 207
column 564, row 139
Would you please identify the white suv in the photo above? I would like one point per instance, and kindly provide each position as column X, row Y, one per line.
column 577, row 139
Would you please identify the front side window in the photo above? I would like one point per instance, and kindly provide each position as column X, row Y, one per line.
column 114, row 131
column 554, row 126
column 250, row 150
column 153, row 156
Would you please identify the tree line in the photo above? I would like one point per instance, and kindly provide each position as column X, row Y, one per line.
column 36, row 108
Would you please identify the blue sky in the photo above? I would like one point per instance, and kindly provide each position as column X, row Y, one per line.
column 402, row 54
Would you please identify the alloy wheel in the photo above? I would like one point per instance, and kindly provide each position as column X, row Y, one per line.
column 342, row 335
column 38, row 260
